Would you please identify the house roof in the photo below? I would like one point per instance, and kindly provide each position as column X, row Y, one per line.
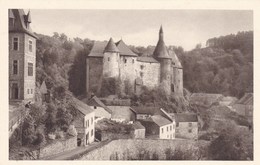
column 160, row 121
column 94, row 101
column 121, row 112
column 186, row 117
column 147, row 59
column 160, row 49
column 82, row 107
column 43, row 88
column 21, row 20
column 247, row 99
column 98, row 49
column 111, row 46
column 138, row 125
column 175, row 59
column 205, row 97
column 124, row 49
column 146, row 110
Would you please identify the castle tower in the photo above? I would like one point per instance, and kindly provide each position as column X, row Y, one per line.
column 161, row 54
column 111, row 60
column 177, row 76
column 22, row 56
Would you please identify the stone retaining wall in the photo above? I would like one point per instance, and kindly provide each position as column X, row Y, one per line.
column 124, row 148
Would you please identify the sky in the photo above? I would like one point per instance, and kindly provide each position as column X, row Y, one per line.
column 184, row 28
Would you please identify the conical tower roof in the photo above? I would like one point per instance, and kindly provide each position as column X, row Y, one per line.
column 160, row 49
column 111, row 46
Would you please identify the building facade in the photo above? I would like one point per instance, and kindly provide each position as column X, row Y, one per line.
column 22, row 56
column 186, row 126
column 84, row 123
column 117, row 60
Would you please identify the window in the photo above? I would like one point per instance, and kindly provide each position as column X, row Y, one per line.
column 133, row 61
column 170, row 128
column 177, row 124
column 15, row 67
column 125, row 60
column 88, row 123
column 91, row 120
column 31, row 91
column 15, row 43
column 142, row 66
column 28, row 91
column 162, row 130
column 190, row 124
column 108, row 59
column 30, row 69
column 167, row 129
column 190, row 130
column 141, row 74
column 30, row 45
column 95, row 107
column 92, row 132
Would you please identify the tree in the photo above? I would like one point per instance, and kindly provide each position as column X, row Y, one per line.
column 28, row 130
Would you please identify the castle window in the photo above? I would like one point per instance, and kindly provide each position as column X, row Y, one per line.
column 95, row 107
column 30, row 45
column 125, row 60
column 31, row 91
column 142, row 66
column 30, row 69
column 15, row 67
column 15, row 43
column 190, row 130
column 108, row 59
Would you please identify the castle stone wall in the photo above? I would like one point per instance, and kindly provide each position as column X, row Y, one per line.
column 149, row 73
column 94, row 74
column 177, row 80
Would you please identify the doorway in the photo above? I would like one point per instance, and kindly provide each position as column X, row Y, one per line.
column 14, row 91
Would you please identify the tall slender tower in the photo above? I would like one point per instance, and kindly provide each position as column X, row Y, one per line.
column 22, row 56
column 161, row 54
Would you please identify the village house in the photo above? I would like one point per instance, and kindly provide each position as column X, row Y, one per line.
column 244, row 106
column 101, row 110
column 22, row 56
column 157, row 122
column 139, row 130
column 84, row 123
column 186, row 125
column 122, row 114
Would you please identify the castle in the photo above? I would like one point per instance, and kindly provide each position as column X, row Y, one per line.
column 117, row 60
column 22, row 56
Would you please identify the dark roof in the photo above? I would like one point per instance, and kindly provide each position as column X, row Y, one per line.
column 147, row 59
column 175, row 60
column 247, row 99
column 98, row 49
column 82, row 107
column 160, row 121
column 146, row 110
column 43, row 88
column 138, row 125
column 124, row 49
column 111, row 46
column 186, row 117
column 94, row 101
column 160, row 49
column 21, row 20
